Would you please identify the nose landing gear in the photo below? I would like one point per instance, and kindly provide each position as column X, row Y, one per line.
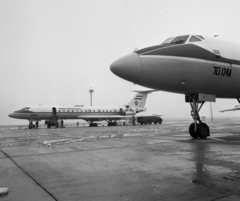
column 198, row 129
column 202, row 130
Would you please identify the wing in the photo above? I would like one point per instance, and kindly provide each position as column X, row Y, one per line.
column 234, row 109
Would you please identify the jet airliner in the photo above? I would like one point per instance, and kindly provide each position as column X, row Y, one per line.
column 201, row 67
column 90, row 114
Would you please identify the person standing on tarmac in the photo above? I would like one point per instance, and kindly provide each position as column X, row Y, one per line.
column 36, row 124
column 62, row 123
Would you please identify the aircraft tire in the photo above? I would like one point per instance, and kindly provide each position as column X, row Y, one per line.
column 110, row 123
column 192, row 132
column 203, row 130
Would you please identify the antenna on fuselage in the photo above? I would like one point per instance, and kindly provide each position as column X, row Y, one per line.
column 135, row 50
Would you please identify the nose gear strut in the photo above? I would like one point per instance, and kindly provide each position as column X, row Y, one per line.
column 197, row 130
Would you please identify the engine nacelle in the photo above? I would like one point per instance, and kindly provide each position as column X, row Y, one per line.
column 130, row 113
column 137, row 110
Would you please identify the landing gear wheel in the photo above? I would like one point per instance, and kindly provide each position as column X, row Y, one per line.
column 93, row 124
column 192, row 131
column 203, row 130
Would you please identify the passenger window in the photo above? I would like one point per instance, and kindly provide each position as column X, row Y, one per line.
column 194, row 39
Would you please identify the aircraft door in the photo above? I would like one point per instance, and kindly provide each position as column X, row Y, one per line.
column 54, row 117
column 222, row 73
column 222, row 66
column 54, row 111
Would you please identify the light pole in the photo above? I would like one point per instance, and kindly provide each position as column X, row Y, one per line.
column 211, row 111
column 91, row 91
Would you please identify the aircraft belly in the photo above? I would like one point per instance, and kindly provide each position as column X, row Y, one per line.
column 187, row 76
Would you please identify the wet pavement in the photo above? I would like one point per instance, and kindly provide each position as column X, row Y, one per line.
column 151, row 162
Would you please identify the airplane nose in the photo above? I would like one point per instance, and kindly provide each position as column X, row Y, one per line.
column 128, row 67
column 11, row 115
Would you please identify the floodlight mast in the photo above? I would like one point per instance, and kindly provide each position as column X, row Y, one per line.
column 91, row 92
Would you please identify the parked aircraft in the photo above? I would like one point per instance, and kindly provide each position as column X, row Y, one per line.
column 201, row 67
column 89, row 113
column 237, row 107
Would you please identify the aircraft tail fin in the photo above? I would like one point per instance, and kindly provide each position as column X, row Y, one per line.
column 139, row 100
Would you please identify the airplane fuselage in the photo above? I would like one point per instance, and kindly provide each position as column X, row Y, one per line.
column 210, row 65
column 203, row 68
column 88, row 113
column 38, row 113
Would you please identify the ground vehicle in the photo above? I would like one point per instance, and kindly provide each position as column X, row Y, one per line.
column 149, row 119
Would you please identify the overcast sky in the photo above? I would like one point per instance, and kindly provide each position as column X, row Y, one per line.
column 53, row 51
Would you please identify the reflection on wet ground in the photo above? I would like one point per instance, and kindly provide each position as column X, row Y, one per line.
column 153, row 162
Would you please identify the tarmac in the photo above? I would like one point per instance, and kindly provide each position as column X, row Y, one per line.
column 150, row 162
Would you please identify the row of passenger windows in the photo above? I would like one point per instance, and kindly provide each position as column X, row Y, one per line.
column 87, row 110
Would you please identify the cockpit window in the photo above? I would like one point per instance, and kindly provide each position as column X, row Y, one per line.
column 180, row 39
column 200, row 37
column 194, row 39
column 167, row 40
column 26, row 108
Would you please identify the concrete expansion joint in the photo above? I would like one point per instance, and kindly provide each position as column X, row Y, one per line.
column 224, row 196
column 29, row 175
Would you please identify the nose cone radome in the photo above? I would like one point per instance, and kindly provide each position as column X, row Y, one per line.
column 11, row 115
column 128, row 67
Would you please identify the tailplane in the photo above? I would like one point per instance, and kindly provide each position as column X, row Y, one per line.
column 139, row 100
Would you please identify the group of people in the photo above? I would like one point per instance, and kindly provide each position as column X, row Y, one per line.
column 31, row 125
